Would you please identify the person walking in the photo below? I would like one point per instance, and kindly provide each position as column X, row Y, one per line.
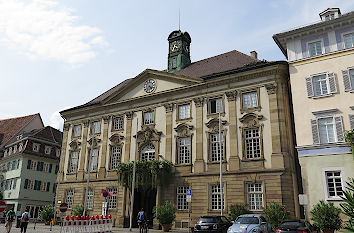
column 10, row 217
column 24, row 221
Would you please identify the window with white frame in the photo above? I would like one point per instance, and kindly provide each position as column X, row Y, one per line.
column 182, row 203
column 216, row 147
column 147, row 153
column 77, row 130
column 96, row 127
column 249, row 100
column 69, row 197
column 47, row 150
column 315, row 48
column 149, row 118
column 252, row 143
column 34, row 165
column 115, row 157
column 94, row 160
column 215, row 197
column 73, row 162
column 348, row 79
column 30, row 184
column 255, row 196
column 184, row 150
column 20, row 146
column 35, row 147
column 118, row 123
column 46, row 167
column 327, row 129
column 334, row 183
column 184, row 111
column 348, row 40
column 215, row 106
column 14, row 183
column 112, row 200
column 322, row 84
column 43, row 187
column 89, row 200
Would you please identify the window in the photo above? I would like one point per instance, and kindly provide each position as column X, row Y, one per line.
column 148, row 153
column 148, row 118
column 43, row 187
column 215, row 106
column 321, row 85
column 255, row 196
column 96, row 127
column 10, row 150
column 327, row 130
column 216, row 147
column 89, row 203
column 47, row 150
column 184, row 111
column 73, row 162
column 14, row 183
column 15, row 149
column 315, row 48
column 69, row 196
column 58, row 153
column 252, row 143
column 349, row 40
column 94, row 160
column 34, row 165
column 174, row 63
column 77, row 130
column 35, row 147
column 249, row 100
column 348, row 79
column 115, row 157
column 46, row 167
column 30, row 184
column 216, row 197
column 20, row 146
column 112, row 200
column 117, row 123
column 9, row 166
column 14, row 164
column 333, row 182
column 184, row 150
column 18, row 163
column 182, row 203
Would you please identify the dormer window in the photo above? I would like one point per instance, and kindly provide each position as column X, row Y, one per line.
column 47, row 150
column 35, row 147
column 329, row 14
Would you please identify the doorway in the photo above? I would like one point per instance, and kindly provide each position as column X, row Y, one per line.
column 145, row 199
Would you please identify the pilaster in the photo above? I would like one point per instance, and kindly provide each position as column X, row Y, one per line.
column 169, row 110
column 199, row 161
column 81, row 170
column 128, row 135
column 64, row 158
column 234, row 162
column 102, row 169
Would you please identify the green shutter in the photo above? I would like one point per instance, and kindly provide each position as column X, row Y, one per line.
column 48, row 185
column 40, row 166
column 29, row 164
column 50, row 168
column 56, row 169
column 26, row 184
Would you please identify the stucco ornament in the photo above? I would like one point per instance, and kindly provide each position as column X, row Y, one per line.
column 94, row 141
column 184, row 130
column 74, row 145
column 251, row 120
column 116, row 139
column 271, row 88
column 213, row 125
column 148, row 135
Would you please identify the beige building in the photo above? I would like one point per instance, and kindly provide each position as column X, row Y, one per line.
column 177, row 112
column 321, row 64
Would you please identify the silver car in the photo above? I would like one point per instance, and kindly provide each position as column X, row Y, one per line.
column 250, row 223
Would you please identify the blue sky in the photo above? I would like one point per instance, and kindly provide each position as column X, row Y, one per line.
column 60, row 54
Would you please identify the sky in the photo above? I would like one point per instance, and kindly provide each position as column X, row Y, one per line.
column 58, row 54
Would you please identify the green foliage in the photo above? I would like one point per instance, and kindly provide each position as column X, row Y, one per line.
column 148, row 173
column 349, row 137
column 79, row 210
column 348, row 205
column 275, row 214
column 326, row 216
column 47, row 213
column 165, row 214
column 1, row 196
column 237, row 210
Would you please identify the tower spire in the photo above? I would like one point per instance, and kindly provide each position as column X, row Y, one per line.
column 179, row 19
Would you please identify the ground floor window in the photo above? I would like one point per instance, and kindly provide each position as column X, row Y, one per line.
column 215, row 197
column 112, row 200
column 34, row 211
column 89, row 201
column 255, row 196
column 69, row 196
column 334, row 183
column 182, row 203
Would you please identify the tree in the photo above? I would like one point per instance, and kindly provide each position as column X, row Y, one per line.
column 348, row 205
column 47, row 214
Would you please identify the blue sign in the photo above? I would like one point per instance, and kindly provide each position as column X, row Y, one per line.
column 189, row 192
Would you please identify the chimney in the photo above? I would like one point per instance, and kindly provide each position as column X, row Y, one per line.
column 254, row 54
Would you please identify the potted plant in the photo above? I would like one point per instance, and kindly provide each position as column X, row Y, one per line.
column 165, row 215
column 237, row 210
column 326, row 216
column 275, row 214
column 47, row 214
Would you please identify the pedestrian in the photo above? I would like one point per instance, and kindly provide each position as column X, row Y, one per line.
column 10, row 217
column 24, row 221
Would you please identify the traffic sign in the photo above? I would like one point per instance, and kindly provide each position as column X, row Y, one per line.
column 189, row 192
column 189, row 198
column 2, row 206
column 63, row 207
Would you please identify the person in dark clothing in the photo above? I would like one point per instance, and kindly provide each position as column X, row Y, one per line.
column 24, row 221
column 10, row 217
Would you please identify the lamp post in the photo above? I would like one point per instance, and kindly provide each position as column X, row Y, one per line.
column 88, row 172
column 220, row 159
column 133, row 182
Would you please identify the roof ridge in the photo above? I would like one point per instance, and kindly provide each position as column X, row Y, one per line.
column 234, row 50
column 12, row 118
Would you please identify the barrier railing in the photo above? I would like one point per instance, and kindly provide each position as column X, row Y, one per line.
column 95, row 224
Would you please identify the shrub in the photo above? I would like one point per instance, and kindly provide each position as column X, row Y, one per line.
column 237, row 210
column 348, row 205
column 166, row 213
column 79, row 210
column 275, row 214
column 47, row 214
column 326, row 216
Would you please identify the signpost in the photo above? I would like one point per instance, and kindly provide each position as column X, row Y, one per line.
column 189, row 200
column 63, row 207
column 2, row 206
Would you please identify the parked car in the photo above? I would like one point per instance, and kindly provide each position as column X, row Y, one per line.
column 296, row 226
column 218, row 224
column 250, row 223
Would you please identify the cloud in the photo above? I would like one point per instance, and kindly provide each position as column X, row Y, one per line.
column 43, row 29
column 56, row 121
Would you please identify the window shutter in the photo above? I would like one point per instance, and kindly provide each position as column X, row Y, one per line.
column 339, row 128
column 351, row 120
column 35, row 184
column 50, row 168
column 346, row 80
column 56, row 169
column 40, row 166
column 314, row 128
column 48, row 185
column 29, row 164
column 26, row 184
column 332, row 83
column 309, row 87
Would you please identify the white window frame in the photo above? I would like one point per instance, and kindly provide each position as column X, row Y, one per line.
column 90, row 197
column 35, row 147
column 214, row 142
column 149, row 117
column 96, row 127
column 325, row 183
column 30, row 184
column 117, row 123
column 77, row 130
column 215, row 197
column 312, row 42
column 147, row 152
column 47, row 150
column 34, row 165
column 116, row 155
column 346, row 34
column 184, row 150
column 218, row 100
column 112, row 200
column 184, row 111
column 252, row 154
column 46, row 167
column 334, row 129
column 20, row 146
column 72, row 168
column 249, row 97
column 181, row 198
column 69, row 197
column 94, row 160
column 332, row 88
column 253, row 194
column 43, row 187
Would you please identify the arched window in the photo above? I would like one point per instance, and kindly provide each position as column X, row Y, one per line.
column 147, row 153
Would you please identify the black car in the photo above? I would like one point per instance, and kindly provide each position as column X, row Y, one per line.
column 218, row 224
column 296, row 226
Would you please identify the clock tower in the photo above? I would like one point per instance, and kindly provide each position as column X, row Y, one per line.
column 179, row 51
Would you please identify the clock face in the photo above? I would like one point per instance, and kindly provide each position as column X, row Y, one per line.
column 149, row 85
column 175, row 45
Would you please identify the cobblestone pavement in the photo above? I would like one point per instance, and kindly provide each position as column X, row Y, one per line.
column 41, row 228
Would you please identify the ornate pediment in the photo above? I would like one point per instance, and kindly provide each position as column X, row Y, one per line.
column 94, row 141
column 213, row 124
column 74, row 145
column 116, row 139
column 251, row 120
column 184, row 130
column 148, row 135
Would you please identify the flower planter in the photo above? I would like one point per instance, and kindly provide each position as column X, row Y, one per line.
column 166, row 227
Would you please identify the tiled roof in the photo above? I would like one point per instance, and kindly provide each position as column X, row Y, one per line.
column 49, row 134
column 10, row 127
